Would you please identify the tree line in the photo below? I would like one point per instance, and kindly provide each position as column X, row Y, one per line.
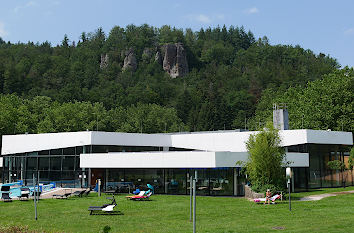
column 230, row 72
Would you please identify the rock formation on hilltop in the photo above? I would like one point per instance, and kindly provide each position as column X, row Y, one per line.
column 104, row 61
column 158, row 58
column 175, row 60
column 130, row 60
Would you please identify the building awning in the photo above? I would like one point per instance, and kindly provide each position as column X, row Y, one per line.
column 180, row 159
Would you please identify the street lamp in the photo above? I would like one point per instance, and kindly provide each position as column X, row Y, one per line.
column 288, row 176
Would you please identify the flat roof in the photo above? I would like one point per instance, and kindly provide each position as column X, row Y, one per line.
column 232, row 141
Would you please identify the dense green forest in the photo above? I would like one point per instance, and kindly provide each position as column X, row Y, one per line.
column 231, row 82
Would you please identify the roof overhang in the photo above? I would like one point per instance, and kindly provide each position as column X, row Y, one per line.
column 204, row 141
column 180, row 159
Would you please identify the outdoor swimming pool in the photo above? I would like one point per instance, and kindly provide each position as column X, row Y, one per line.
column 15, row 188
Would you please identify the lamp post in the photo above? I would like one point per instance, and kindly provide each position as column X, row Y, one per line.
column 190, row 198
column 288, row 176
column 35, row 196
column 194, row 200
column 80, row 178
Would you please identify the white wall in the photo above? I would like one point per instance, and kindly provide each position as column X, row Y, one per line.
column 131, row 139
column 149, row 160
column 236, row 141
column 180, row 159
column 21, row 143
column 213, row 141
column 1, row 161
column 329, row 137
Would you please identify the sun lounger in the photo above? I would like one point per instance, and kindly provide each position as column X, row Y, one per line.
column 38, row 194
column 61, row 196
column 142, row 198
column 139, row 195
column 25, row 192
column 87, row 192
column 5, row 196
column 273, row 199
column 104, row 209
column 78, row 193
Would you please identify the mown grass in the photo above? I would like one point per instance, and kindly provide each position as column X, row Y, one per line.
column 167, row 213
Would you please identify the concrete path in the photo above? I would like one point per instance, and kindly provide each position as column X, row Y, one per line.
column 321, row 196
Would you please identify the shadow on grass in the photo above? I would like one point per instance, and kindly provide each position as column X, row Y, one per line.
column 107, row 213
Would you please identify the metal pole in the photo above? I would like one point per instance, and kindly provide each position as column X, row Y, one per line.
column 34, row 195
column 99, row 187
column 190, row 198
column 289, row 194
column 194, row 201
column 37, row 199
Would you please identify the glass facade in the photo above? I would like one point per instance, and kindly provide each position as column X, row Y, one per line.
column 318, row 175
column 218, row 181
column 48, row 165
column 62, row 167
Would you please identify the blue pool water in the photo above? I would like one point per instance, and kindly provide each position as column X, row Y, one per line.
column 15, row 188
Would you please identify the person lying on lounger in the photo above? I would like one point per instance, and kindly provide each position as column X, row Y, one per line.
column 273, row 199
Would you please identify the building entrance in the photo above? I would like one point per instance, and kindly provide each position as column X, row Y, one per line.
column 95, row 175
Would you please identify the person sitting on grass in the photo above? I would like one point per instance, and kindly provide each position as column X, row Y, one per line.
column 268, row 196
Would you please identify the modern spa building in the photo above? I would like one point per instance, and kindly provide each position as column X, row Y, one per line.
column 127, row 160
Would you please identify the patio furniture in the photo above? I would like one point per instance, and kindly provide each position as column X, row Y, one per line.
column 5, row 196
column 87, row 192
column 105, row 209
column 78, row 193
column 25, row 192
column 139, row 195
column 142, row 198
column 273, row 199
column 151, row 188
column 38, row 194
column 61, row 196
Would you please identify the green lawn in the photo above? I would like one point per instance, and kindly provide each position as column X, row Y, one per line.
column 166, row 213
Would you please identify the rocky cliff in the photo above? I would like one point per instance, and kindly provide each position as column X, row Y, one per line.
column 130, row 60
column 104, row 61
column 175, row 60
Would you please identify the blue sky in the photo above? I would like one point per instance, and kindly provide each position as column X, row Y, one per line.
column 320, row 25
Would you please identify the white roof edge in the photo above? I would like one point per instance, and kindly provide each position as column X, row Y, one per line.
column 212, row 141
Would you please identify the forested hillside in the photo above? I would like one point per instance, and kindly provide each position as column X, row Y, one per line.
column 126, row 80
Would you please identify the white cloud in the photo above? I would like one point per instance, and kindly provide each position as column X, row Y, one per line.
column 202, row 18
column 349, row 31
column 220, row 16
column 26, row 5
column 253, row 10
column 3, row 32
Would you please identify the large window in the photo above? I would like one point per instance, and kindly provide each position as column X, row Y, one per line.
column 43, row 163
column 175, row 181
column 31, row 163
column 55, row 163
column 221, row 181
column 68, row 162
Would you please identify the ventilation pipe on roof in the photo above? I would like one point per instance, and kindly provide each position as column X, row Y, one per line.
column 280, row 116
